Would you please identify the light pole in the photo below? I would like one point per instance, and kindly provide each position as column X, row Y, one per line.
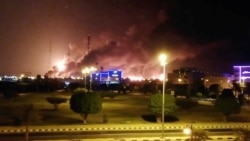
column 189, row 131
column 85, row 71
column 91, row 69
column 163, row 59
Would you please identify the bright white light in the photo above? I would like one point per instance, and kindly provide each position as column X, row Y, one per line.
column 179, row 80
column 21, row 76
column 161, row 77
column 136, row 78
column 72, row 77
column 32, row 77
column 61, row 65
column 85, row 70
column 88, row 70
column 187, row 131
column 92, row 69
column 163, row 59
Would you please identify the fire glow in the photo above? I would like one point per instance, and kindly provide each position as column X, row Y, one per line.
column 131, row 51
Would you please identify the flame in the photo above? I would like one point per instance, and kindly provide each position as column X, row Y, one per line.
column 61, row 65
column 136, row 78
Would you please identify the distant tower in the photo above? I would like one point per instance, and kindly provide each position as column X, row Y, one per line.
column 68, row 55
column 89, row 38
column 50, row 52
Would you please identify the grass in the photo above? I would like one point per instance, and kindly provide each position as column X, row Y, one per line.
column 127, row 108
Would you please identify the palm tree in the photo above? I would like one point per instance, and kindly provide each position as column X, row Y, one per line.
column 29, row 115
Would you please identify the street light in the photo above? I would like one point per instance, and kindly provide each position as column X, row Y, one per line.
column 85, row 71
column 189, row 131
column 91, row 69
column 163, row 59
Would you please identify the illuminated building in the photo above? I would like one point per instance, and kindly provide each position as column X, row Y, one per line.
column 186, row 81
column 107, row 77
column 187, row 75
column 224, row 81
column 9, row 78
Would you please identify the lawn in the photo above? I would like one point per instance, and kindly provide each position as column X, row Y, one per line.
column 128, row 108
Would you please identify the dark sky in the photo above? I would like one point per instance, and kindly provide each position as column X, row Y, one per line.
column 125, row 34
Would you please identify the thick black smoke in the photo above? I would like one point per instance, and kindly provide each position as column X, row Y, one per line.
column 202, row 35
column 135, row 51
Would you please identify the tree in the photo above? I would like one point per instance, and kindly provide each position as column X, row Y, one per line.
column 27, row 118
column 155, row 104
column 186, row 104
column 56, row 101
column 10, row 94
column 236, row 87
column 227, row 104
column 85, row 102
column 214, row 90
column 28, row 114
column 38, row 82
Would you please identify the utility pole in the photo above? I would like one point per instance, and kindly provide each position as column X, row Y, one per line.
column 50, row 52
column 88, row 43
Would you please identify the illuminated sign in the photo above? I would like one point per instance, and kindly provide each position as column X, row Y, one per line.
column 108, row 77
column 245, row 72
column 242, row 72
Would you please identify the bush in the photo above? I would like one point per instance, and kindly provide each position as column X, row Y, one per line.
column 199, row 95
column 56, row 101
column 155, row 105
column 109, row 94
column 227, row 104
column 22, row 114
column 85, row 102
column 10, row 94
column 186, row 104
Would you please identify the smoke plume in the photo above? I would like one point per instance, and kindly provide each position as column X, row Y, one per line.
column 135, row 49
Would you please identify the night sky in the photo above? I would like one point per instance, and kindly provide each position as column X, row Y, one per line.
column 125, row 34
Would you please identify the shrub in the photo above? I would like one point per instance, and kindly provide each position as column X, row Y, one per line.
column 186, row 104
column 56, row 101
column 155, row 104
column 109, row 94
column 10, row 94
column 227, row 104
column 199, row 95
column 85, row 102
